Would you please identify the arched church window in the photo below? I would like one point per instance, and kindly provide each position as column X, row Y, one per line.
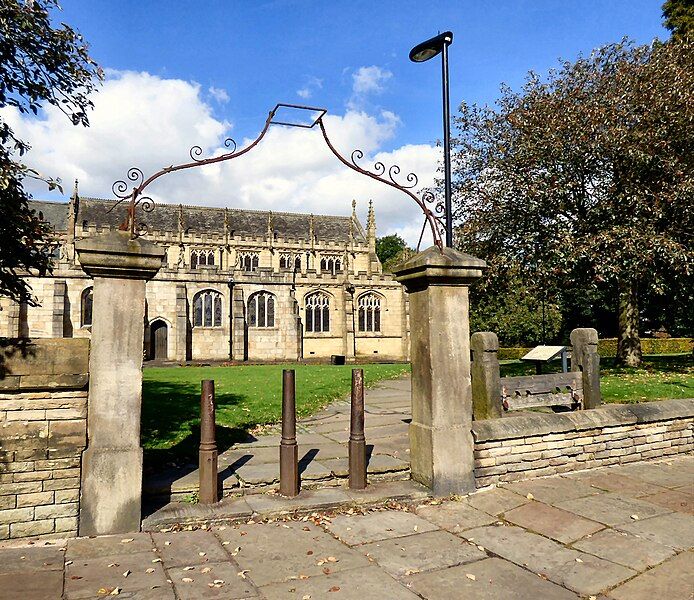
column 318, row 312
column 249, row 261
column 207, row 309
column 201, row 258
column 261, row 310
column 86, row 306
column 369, row 312
column 331, row 264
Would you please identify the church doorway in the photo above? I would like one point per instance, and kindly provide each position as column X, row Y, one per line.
column 158, row 340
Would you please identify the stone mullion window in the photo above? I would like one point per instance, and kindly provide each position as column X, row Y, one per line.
column 317, row 312
column 249, row 261
column 207, row 309
column 261, row 310
column 369, row 319
column 86, row 307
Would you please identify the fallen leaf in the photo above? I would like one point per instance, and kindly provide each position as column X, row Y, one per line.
column 68, row 562
column 470, row 576
column 75, row 577
column 335, row 588
column 218, row 582
column 167, row 543
column 126, row 573
column 326, row 570
column 113, row 565
column 529, row 496
column 332, row 559
column 309, row 553
column 303, row 576
column 115, row 592
column 127, row 540
column 188, row 568
column 306, row 597
column 202, row 553
column 205, row 570
column 155, row 560
column 578, row 560
column 635, row 517
column 242, row 574
column 225, row 543
column 187, row 580
column 150, row 570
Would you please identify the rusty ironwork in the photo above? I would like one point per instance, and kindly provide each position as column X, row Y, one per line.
column 289, row 450
column 357, row 440
column 209, row 480
column 132, row 189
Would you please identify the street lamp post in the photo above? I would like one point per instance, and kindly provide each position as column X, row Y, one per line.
column 421, row 53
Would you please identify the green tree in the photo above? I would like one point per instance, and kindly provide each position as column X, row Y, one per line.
column 388, row 247
column 678, row 17
column 40, row 63
column 583, row 180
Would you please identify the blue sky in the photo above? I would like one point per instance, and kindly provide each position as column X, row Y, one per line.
column 261, row 51
column 184, row 73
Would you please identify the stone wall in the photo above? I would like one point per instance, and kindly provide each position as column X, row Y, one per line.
column 535, row 445
column 43, row 427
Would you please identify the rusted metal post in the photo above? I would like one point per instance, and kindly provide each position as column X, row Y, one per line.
column 357, row 441
column 289, row 451
column 209, row 481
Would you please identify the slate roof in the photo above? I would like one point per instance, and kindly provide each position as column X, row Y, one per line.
column 197, row 219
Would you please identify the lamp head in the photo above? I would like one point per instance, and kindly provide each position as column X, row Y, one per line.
column 426, row 50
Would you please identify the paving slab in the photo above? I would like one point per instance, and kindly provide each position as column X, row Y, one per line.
column 86, row 576
column 421, row 552
column 23, row 560
column 380, row 525
column 589, row 575
column 494, row 579
column 276, row 552
column 187, row 548
column 130, row 543
column 674, row 580
column 356, row 584
column 320, row 498
column 611, row 509
column 678, row 501
column 32, row 585
column 455, row 516
column 496, row 501
column 625, row 549
column 552, row 489
column 610, row 481
column 226, row 575
column 552, row 522
column 674, row 529
column 534, row 552
column 676, row 475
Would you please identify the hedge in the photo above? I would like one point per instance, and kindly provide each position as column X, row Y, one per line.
column 607, row 347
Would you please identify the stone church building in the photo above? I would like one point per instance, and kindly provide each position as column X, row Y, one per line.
column 240, row 285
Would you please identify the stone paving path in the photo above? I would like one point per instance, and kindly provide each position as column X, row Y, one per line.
column 619, row 533
column 322, row 439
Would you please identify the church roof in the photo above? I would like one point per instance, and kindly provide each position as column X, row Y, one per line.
column 200, row 220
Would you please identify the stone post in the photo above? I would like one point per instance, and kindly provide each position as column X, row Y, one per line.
column 58, row 319
column 441, row 439
column 585, row 358
column 181, row 324
column 112, row 463
column 486, row 378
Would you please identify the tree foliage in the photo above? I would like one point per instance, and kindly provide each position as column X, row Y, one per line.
column 678, row 17
column 583, row 181
column 391, row 251
column 40, row 63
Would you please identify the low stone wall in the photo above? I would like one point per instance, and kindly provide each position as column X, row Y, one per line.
column 539, row 444
column 43, row 427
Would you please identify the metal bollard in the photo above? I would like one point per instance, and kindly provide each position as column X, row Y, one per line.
column 289, row 451
column 357, row 441
column 209, row 480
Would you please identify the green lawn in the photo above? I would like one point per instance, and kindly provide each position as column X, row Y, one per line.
column 251, row 395
column 246, row 396
column 660, row 377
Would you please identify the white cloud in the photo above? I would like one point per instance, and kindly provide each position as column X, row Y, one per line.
column 312, row 84
column 219, row 94
column 370, row 80
column 143, row 120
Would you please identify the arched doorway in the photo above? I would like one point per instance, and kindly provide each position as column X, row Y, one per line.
column 158, row 340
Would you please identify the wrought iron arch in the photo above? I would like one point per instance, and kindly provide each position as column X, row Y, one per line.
column 132, row 189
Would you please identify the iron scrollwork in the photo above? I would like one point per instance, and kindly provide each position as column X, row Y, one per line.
column 434, row 211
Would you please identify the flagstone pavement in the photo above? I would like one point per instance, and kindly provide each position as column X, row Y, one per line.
column 618, row 533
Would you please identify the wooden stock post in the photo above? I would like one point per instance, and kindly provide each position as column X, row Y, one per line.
column 289, row 451
column 209, row 482
column 357, row 441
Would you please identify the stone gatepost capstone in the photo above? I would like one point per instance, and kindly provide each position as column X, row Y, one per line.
column 441, row 442
column 112, row 462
